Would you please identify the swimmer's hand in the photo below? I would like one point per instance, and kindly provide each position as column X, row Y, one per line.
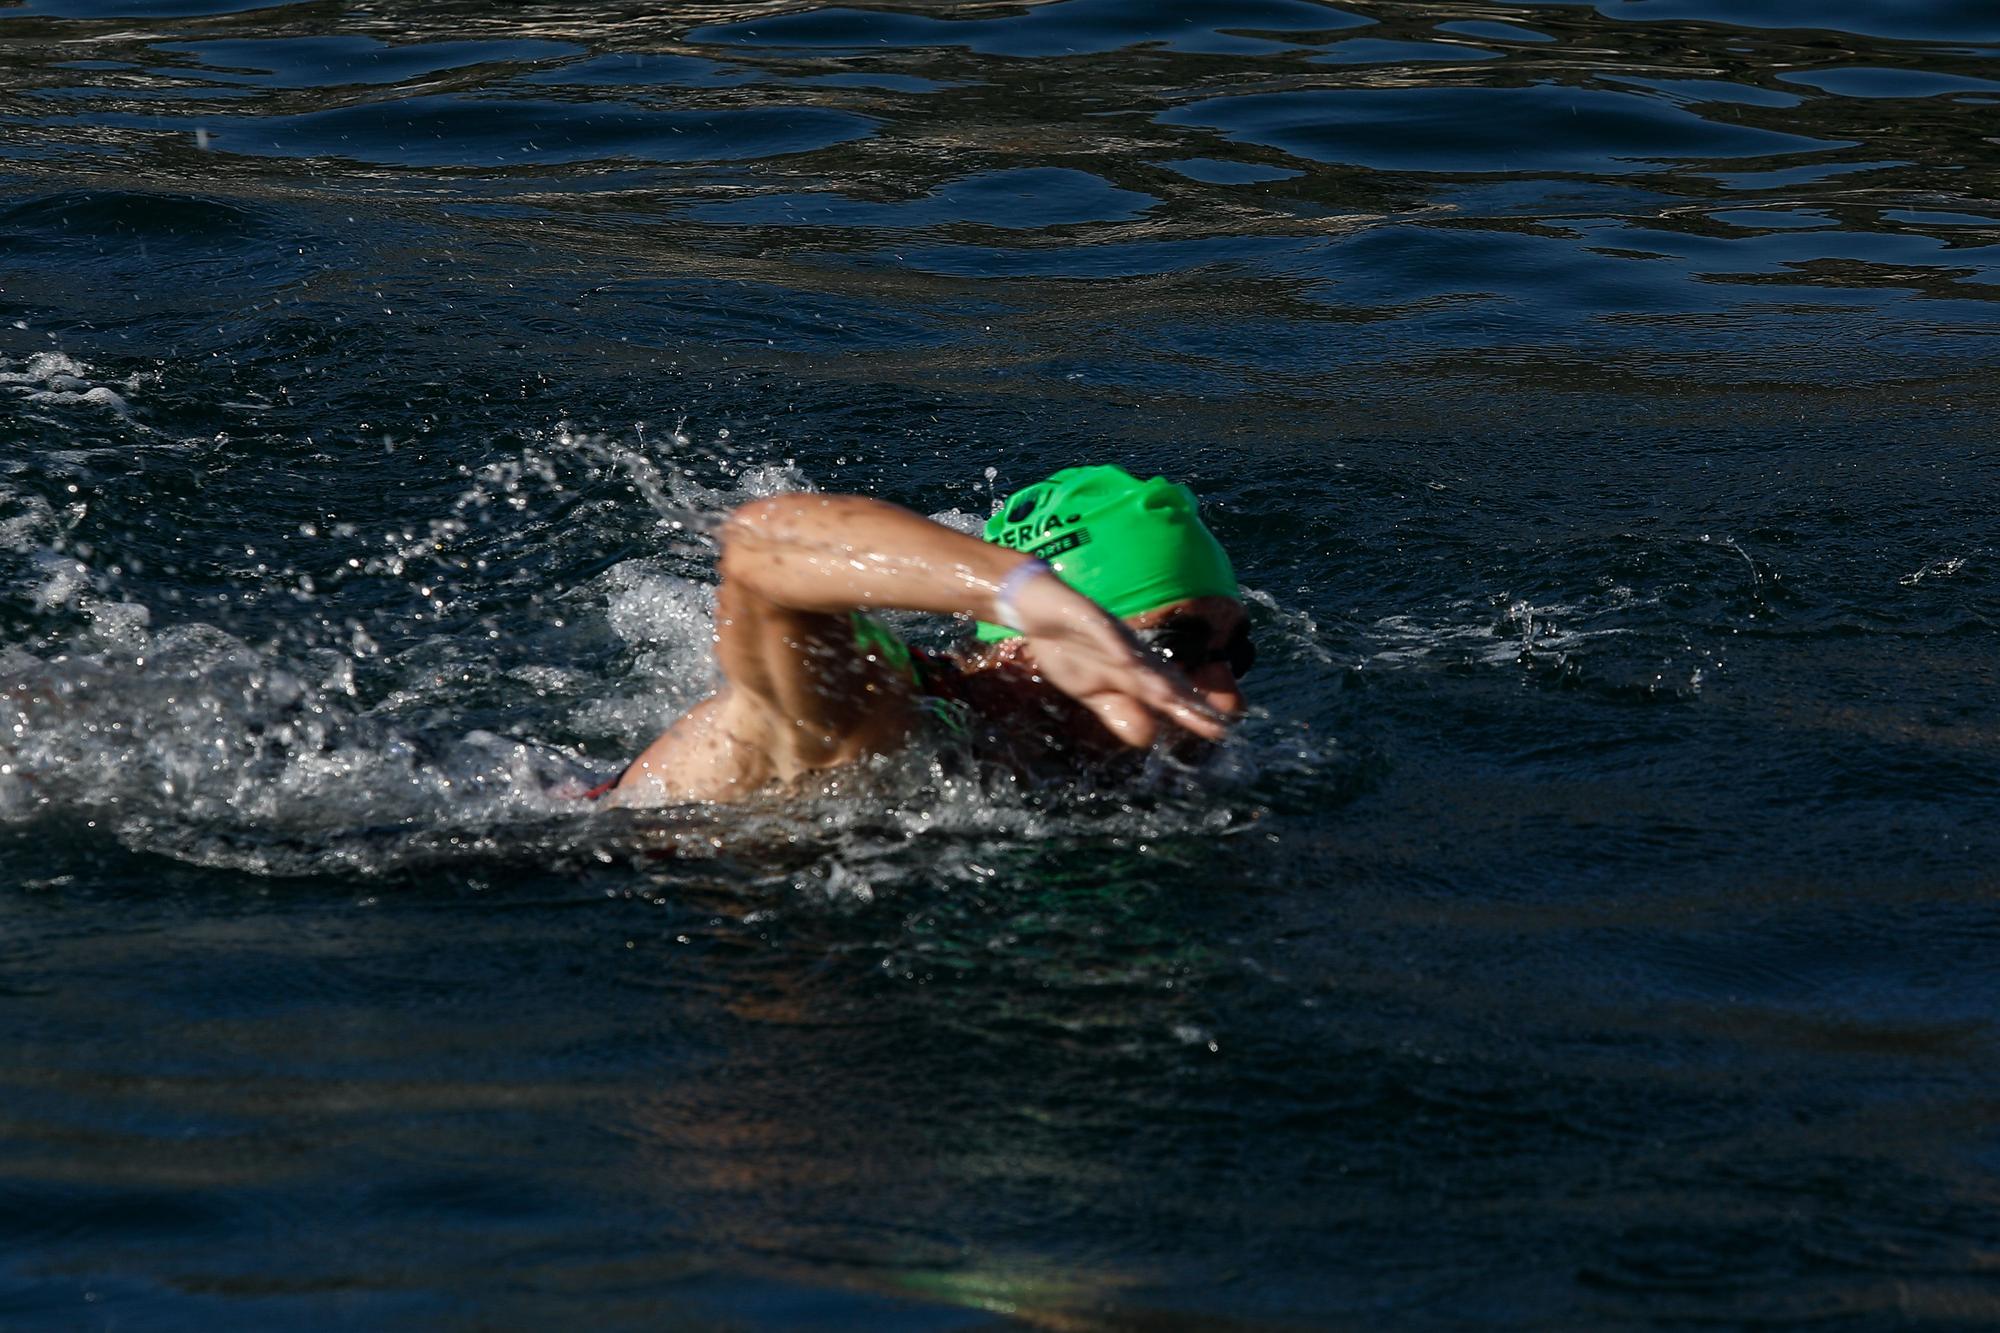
column 1091, row 656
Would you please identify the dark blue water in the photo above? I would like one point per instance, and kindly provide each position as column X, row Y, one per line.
column 1594, row 926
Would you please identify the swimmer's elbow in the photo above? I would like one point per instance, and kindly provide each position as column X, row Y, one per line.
column 775, row 518
column 765, row 541
column 750, row 537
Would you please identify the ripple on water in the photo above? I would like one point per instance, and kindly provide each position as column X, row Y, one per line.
column 130, row 218
column 1543, row 127
column 339, row 62
column 1017, row 199
column 1949, row 20
column 452, row 131
column 145, row 9
column 1860, row 81
column 1062, row 29
column 1381, row 51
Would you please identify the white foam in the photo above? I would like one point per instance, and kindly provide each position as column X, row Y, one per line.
column 57, row 379
column 45, row 369
column 663, row 471
column 120, row 624
column 1298, row 629
column 972, row 525
column 33, row 526
column 1471, row 631
column 63, row 580
column 1935, row 569
column 647, row 608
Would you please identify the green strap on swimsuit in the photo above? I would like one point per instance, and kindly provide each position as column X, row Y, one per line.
column 874, row 639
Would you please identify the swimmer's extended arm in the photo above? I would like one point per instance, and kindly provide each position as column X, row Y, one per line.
column 794, row 566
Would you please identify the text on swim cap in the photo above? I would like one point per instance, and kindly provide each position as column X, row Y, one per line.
column 1020, row 537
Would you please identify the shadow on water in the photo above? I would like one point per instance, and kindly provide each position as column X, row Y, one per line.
column 1591, row 927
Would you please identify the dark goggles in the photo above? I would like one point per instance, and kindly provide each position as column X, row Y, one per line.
column 1190, row 642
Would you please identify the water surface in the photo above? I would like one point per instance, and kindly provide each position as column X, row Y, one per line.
column 1593, row 926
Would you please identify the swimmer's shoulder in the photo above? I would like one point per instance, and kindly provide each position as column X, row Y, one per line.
column 714, row 752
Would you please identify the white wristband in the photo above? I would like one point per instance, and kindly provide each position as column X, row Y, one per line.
column 1010, row 588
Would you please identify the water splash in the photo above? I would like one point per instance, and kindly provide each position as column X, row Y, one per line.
column 433, row 694
column 54, row 379
column 1497, row 632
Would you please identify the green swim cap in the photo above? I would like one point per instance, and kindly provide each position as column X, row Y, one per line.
column 1126, row 544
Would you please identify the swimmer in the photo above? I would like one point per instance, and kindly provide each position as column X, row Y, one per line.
column 1108, row 619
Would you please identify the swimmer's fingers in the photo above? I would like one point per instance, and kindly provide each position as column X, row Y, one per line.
column 1090, row 657
column 1137, row 721
column 1174, row 699
column 1138, row 696
column 1130, row 721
